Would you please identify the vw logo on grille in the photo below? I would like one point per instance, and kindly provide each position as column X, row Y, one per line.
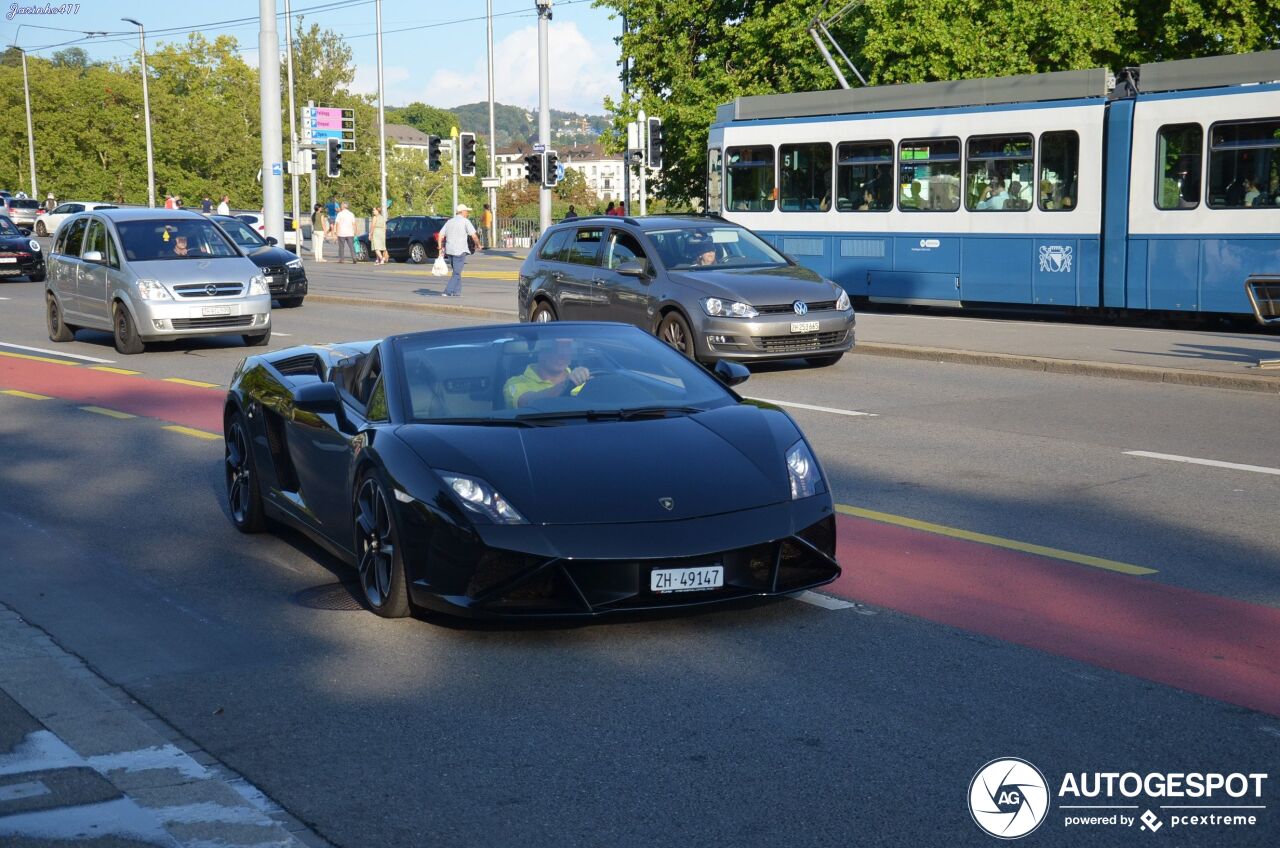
column 800, row 307
column 211, row 290
column 667, row 503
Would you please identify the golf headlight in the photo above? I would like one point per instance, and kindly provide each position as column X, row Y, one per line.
column 258, row 285
column 152, row 290
column 478, row 496
column 34, row 245
column 802, row 468
column 717, row 308
column 842, row 302
column 294, row 263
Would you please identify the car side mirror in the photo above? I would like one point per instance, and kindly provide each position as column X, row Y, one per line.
column 320, row 398
column 271, row 240
column 731, row 373
column 92, row 256
column 633, row 268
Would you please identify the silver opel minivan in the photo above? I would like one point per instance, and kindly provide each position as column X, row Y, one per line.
column 152, row 274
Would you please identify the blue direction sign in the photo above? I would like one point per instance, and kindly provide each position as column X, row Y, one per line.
column 276, row 169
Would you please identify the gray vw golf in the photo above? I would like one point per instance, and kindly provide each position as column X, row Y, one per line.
column 709, row 288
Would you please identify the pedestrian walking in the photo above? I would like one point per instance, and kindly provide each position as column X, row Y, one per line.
column 457, row 238
column 206, row 205
column 319, row 232
column 224, row 206
column 608, row 210
column 50, row 203
column 332, row 207
column 344, row 225
column 572, row 214
column 486, row 224
column 378, row 237
column 170, row 202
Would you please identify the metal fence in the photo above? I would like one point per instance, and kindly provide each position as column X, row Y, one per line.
column 517, row 232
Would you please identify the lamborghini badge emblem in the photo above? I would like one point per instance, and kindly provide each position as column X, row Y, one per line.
column 667, row 503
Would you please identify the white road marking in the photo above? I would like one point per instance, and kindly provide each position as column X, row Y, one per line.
column 54, row 352
column 4, row 298
column 286, row 335
column 819, row 600
column 830, row 409
column 23, row 790
column 1216, row 463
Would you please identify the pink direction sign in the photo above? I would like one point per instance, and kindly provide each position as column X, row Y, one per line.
column 328, row 118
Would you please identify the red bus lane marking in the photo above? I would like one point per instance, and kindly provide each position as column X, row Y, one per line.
column 175, row 402
column 1214, row 646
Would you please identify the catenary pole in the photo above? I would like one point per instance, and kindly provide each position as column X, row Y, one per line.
column 382, row 117
column 146, row 107
column 293, row 130
column 269, row 111
column 544, row 108
column 31, row 137
column 493, row 139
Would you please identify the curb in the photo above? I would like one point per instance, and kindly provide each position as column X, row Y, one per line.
column 1144, row 373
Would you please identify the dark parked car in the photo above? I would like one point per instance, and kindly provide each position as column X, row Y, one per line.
column 709, row 288
column 409, row 237
column 285, row 276
column 20, row 254
column 529, row 469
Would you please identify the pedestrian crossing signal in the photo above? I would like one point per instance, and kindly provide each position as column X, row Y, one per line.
column 433, row 153
column 335, row 157
column 468, row 148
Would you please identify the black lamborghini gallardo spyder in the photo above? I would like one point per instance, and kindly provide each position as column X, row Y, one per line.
column 552, row 469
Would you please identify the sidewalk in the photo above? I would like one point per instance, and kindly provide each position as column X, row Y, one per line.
column 1192, row 357
column 80, row 760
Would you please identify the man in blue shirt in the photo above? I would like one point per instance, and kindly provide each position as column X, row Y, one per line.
column 457, row 239
column 995, row 196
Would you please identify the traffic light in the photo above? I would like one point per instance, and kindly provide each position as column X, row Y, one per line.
column 433, row 153
column 550, row 161
column 335, row 157
column 533, row 167
column 468, row 142
column 655, row 143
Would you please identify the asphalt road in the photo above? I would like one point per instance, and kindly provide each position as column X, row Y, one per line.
column 784, row 723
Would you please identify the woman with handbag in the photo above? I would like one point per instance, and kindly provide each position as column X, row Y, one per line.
column 378, row 237
column 319, row 231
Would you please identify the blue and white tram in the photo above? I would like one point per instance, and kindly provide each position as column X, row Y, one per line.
column 1161, row 192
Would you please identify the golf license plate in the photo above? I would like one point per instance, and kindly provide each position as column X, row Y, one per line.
column 665, row 580
column 804, row 326
column 215, row 310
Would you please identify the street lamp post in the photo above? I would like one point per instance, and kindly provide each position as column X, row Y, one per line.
column 146, row 108
column 31, row 137
column 382, row 117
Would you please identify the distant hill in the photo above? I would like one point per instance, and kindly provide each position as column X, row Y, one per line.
column 514, row 125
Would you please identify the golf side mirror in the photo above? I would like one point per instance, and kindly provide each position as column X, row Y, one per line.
column 632, row 268
column 731, row 373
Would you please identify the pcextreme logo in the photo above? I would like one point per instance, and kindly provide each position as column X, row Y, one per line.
column 1009, row 798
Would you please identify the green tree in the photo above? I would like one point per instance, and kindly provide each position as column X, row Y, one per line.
column 424, row 118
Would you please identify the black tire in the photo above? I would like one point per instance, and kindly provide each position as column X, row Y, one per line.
column 40, row 229
column 674, row 330
column 257, row 339
column 373, row 524
column 244, row 498
column 36, row 278
column 417, row 253
column 290, row 302
column 824, row 361
column 542, row 312
column 58, row 331
column 126, row 335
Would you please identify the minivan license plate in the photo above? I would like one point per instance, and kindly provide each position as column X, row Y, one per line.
column 216, row 310
column 664, row 580
column 804, row 326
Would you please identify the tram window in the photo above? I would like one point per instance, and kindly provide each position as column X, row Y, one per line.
column 1001, row 168
column 805, row 177
column 1178, row 154
column 1059, row 171
column 715, row 189
column 748, row 177
column 929, row 175
column 864, row 176
column 1244, row 165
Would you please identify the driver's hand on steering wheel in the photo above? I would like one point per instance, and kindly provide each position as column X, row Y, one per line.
column 579, row 375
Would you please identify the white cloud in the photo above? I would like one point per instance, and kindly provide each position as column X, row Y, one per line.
column 581, row 75
column 366, row 79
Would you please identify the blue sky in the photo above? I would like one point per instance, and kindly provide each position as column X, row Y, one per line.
column 441, row 61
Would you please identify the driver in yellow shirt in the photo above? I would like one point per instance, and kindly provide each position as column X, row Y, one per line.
column 548, row 377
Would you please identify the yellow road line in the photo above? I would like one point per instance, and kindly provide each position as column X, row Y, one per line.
column 22, row 394
column 34, row 358
column 192, row 432
column 111, row 370
column 995, row 541
column 185, row 382
column 110, row 413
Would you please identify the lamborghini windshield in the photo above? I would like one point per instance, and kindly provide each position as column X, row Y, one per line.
column 544, row 373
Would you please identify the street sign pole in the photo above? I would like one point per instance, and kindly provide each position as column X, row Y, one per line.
column 293, row 132
column 269, row 110
column 544, row 107
column 641, row 123
column 311, row 105
column 455, row 158
column 493, row 142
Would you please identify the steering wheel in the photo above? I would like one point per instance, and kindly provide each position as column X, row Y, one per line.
column 600, row 382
